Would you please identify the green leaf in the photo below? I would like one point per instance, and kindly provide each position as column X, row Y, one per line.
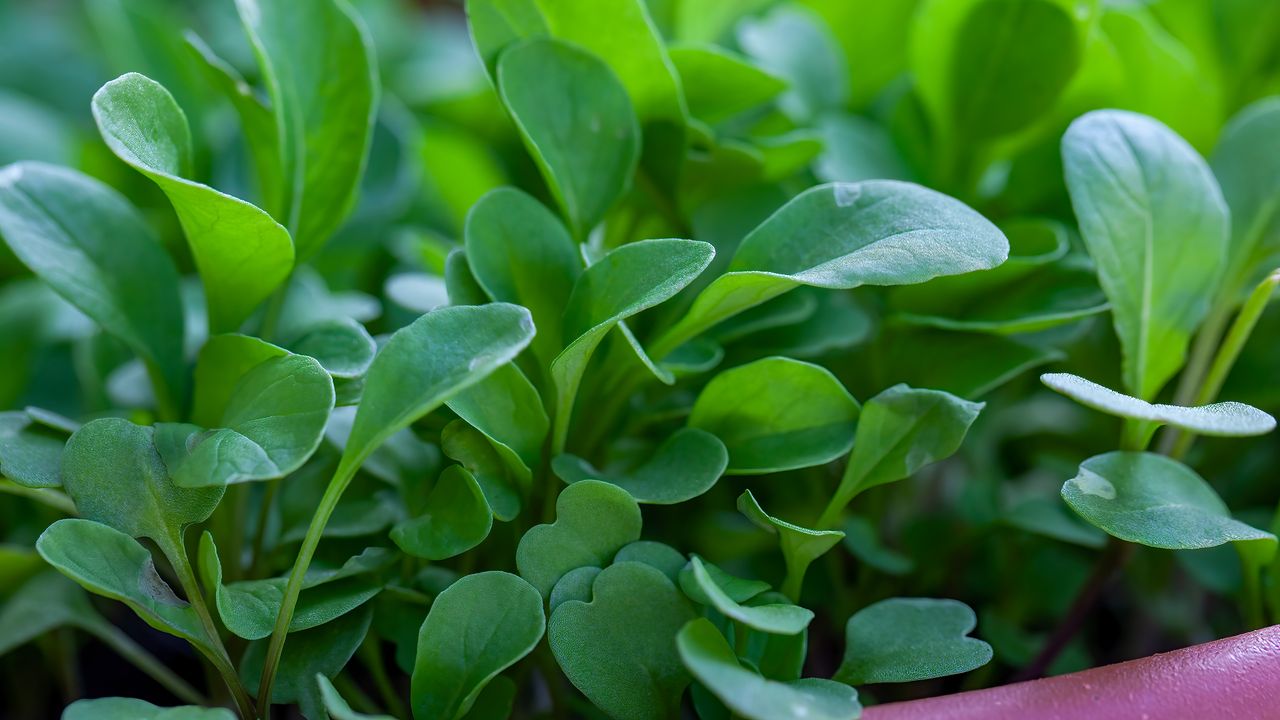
column 249, row 608
column 430, row 361
column 977, row 363
column 575, row 585
column 521, row 253
column 492, row 469
column 30, row 452
column 593, row 521
column 708, row 656
column 506, row 407
column 684, row 466
column 322, row 650
column 654, row 554
column 478, row 627
column 738, row 590
column 1245, row 165
column 273, row 421
column 1156, row 501
column 577, row 121
column 109, row 563
column 1154, row 221
column 1227, row 419
column 628, row 280
column 318, row 66
column 223, row 361
column 618, row 649
column 908, row 639
column 794, row 44
column 855, row 149
column 337, row 707
column 901, row 430
column 95, row 250
column 116, row 476
column 118, row 708
column 843, row 236
column 242, row 254
column 800, row 546
column 455, row 519
column 775, row 618
column 862, row 540
column 777, row 414
column 342, row 346
column 719, row 84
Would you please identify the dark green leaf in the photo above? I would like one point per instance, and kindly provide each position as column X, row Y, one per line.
column 455, row 519
column 684, row 466
column 593, row 521
column 908, row 639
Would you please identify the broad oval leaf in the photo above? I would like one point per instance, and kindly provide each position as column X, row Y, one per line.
column 342, row 346
column 800, row 545
column 318, row 65
column 712, row 661
column 777, row 414
column 478, row 627
column 1154, row 220
column 95, row 250
column 654, row 554
column 119, row 708
column 908, row 639
column 223, row 361
column 773, row 618
column 1156, row 501
column 684, row 466
column 577, row 121
column 429, row 361
column 843, row 236
column 1229, row 419
column 619, row 649
column 719, row 84
column 243, row 255
column 455, row 519
column 593, row 521
column 30, row 452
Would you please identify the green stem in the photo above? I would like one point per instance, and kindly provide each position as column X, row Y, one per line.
column 146, row 662
column 1227, row 354
column 328, row 503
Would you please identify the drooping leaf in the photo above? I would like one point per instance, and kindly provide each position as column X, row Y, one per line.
column 322, row 650
column 777, row 414
column 1156, row 501
column 1229, row 419
column 684, row 466
column 842, row 236
column 455, row 519
column 577, row 121
column 242, row 254
column 318, row 66
column 901, row 430
column 624, row 282
column 800, row 545
column 593, row 521
column 708, row 656
column 30, row 453
column 907, row 639
column 1154, row 220
column 774, row 618
column 95, row 250
column 478, row 627
column 619, row 648
column 118, row 708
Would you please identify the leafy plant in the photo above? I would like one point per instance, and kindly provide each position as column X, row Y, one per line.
column 627, row 359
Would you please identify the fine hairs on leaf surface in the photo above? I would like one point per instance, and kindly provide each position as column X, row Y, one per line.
column 636, row 359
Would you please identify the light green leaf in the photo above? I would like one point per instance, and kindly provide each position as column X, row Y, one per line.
column 479, row 626
column 738, row 590
column 684, row 466
column 855, row 148
column 593, row 521
column 337, row 707
column 506, row 407
column 794, row 44
column 30, row 452
column 273, row 421
column 708, row 656
column 800, row 546
column 654, row 554
column 1245, row 164
column 318, row 66
column 95, row 250
column 223, row 361
column 242, row 254
column 1156, row 501
column 503, row 486
column 118, row 708
column 719, row 84
column 455, row 519
column 248, row 608
column 777, row 414
column 618, row 649
column 624, row 282
column 521, row 253
column 908, row 639
column 1228, row 419
column 843, row 236
column 775, row 618
column 1154, row 221
column 577, row 122
column 901, row 430
column 342, row 346
column 322, row 650
column 429, row 361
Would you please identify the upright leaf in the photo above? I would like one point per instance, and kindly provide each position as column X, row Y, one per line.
column 242, row 254
column 800, row 545
column 773, row 618
column 95, row 250
column 478, row 627
column 1154, row 221
column 1246, row 166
